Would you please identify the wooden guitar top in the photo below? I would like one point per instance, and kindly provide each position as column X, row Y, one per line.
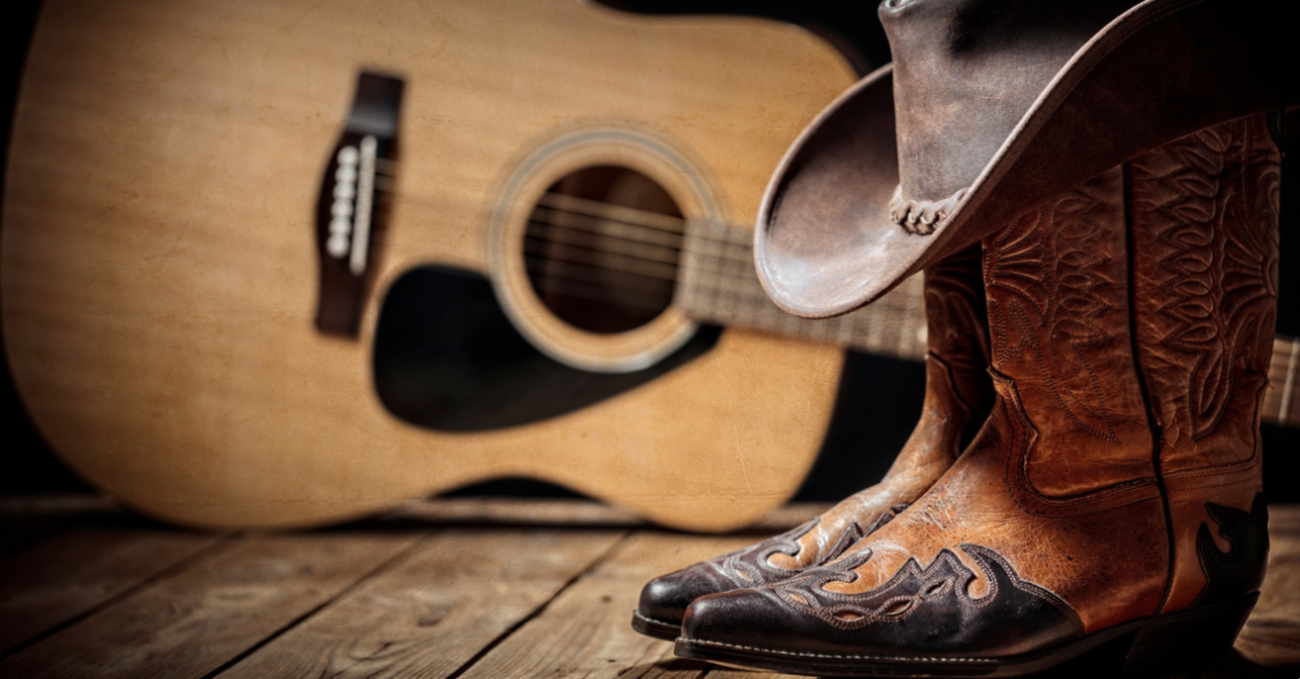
column 159, row 270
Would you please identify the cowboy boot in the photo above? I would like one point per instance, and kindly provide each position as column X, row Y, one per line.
column 958, row 397
column 1115, row 492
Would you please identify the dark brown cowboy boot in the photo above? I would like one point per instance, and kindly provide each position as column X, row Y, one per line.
column 958, row 397
column 1115, row 493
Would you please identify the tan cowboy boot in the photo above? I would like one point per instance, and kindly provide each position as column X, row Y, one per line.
column 958, row 397
column 1115, row 493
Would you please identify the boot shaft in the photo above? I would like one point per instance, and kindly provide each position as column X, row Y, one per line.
column 1135, row 313
column 1133, row 318
column 1205, row 257
column 1205, row 213
column 958, row 392
column 1060, row 316
column 957, row 329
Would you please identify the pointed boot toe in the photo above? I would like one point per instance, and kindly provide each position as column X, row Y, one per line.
column 664, row 600
column 920, row 622
column 739, row 621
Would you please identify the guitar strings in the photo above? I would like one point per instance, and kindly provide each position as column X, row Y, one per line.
column 592, row 250
column 619, row 213
column 577, row 249
column 587, row 240
column 587, row 273
column 575, row 254
column 593, row 292
column 607, row 227
column 612, row 231
column 600, row 259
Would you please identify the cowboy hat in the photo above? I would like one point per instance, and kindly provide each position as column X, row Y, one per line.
column 990, row 107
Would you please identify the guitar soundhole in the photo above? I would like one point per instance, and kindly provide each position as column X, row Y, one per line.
column 602, row 247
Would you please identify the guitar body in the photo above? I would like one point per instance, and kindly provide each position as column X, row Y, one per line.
column 160, row 269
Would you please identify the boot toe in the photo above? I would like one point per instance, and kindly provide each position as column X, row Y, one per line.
column 666, row 598
column 747, row 619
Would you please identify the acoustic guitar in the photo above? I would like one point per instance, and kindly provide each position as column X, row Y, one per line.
column 285, row 263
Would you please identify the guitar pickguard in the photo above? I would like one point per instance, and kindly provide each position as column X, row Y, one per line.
column 447, row 358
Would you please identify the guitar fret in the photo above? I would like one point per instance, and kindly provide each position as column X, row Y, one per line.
column 1288, row 385
column 1281, row 402
column 719, row 284
column 913, row 338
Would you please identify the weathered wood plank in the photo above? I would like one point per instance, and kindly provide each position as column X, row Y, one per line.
column 26, row 520
column 586, row 631
column 72, row 573
column 511, row 511
column 429, row 614
column 586, row 513
column 192, row 623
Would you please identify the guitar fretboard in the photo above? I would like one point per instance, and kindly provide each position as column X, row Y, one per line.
column 717, row 284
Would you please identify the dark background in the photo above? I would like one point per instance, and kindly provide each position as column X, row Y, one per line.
column 877, row 408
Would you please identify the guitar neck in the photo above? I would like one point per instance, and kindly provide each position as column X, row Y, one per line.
column 1282, row 398
column 718, row 284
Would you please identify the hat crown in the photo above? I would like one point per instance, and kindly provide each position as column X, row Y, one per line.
column 967, row 71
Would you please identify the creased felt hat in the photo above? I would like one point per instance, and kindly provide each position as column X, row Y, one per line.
column 990, row 107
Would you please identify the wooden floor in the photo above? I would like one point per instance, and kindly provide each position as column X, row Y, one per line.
column 454, row 588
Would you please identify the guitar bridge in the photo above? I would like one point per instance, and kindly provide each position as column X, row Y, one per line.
column 353, row 204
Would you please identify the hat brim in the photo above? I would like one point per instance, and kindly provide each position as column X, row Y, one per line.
column 825, row 242
column 814, row 253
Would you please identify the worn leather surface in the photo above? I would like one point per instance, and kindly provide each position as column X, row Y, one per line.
column 958, row 397
column 1205, row 235
column 969, row 70
column 929, row 604
column 994, row 110
column 1058, row 280
column 1128, row 319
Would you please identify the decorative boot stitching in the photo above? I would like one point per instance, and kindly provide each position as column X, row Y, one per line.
column 750, row 567
column 954, row 304
column 958, row 340
column 1028, row 296
column 836, row 656
column 940, row 589
column 1211, row 200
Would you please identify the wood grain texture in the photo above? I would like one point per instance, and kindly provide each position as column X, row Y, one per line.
column 719, row 285
column 431, row 613
column 564, row 513
column 513, row 601
column 74, row 572
column 25, row 520
column 587, row 632
column 159, row 277
column 190, row 624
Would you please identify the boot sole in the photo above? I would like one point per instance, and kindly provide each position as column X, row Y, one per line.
column 1186, row 637
column 655, row 628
